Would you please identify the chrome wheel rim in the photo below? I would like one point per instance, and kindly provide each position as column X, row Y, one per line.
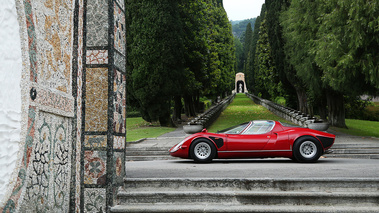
column 202, row 150
column 308, row 149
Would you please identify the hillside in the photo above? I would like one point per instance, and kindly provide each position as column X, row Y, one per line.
column 239, row 27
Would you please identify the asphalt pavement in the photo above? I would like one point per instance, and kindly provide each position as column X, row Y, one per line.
column 255, row 168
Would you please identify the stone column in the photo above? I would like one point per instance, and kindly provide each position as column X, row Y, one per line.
column 103, row 128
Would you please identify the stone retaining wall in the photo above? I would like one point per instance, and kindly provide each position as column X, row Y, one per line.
column 208, row 117
column 289, row 114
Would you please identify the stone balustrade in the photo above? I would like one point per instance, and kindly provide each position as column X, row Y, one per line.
column 292, row 115
column 205, row 119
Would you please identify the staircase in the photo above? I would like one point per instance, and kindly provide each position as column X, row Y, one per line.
column 248, row 195
column 361, row 151
column 147, row 153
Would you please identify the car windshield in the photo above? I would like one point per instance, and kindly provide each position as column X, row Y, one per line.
column 235, row 129
column 259, row 127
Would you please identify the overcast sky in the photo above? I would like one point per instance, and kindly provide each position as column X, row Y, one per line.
column 243, row 9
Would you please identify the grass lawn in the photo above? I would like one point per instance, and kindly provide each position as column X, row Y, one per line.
column 241, row 110
column 137, row 129
column 360, row 128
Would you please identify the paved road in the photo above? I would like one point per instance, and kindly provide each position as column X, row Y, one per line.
column 255, row 168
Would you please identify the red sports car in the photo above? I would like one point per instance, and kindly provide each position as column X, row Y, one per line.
column 256, row 139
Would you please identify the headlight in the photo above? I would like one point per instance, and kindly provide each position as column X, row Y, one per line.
column 177, row 147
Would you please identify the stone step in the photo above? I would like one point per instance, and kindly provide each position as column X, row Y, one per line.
column 149, row 158
column 353, row 156
column 230, row 184
column 146, row 153
column 248, row 195
column 222, row 208
column 130, row 148
column 356, row 151
column 355, row 146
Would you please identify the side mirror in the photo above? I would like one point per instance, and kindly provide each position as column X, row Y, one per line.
column 204, row 130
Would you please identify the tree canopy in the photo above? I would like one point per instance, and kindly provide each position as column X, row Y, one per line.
column 177, row 49
column 325, row 50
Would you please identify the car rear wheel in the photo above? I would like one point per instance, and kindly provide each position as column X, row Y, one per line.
column 307, row 149
column 202, row 151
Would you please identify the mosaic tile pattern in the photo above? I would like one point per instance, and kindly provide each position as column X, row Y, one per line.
column 54, row 102
column 94, row 200
column 119, row 102
column 120, row 61
column 96, row 117
column 48, row 178
column 54, row 43
column 119, row 169
column 32, row 49
column 97, row 57
column 119, row 29
column 43, row 182
column 95, row 163
column 79, row 84
column 121, row 4
column 118, row 142
column 95, row 141
column 97, row 19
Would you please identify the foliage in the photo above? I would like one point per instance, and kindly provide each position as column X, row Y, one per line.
column 239, row 55
column 239, row 27
column 250, row 63
column 284, row 70
column 177, row 49
column 133, row 114
column 247, row 41
column 265, row 70
column 155, row 51
column 333, row 46
column 356, row 108
column 347, row 45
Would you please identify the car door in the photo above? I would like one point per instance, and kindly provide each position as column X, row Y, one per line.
column 254, row 137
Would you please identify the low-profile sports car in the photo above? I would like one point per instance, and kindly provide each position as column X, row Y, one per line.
column 256, row 139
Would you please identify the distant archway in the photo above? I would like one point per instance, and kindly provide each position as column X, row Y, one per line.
column 240, row 87
column 240, row 84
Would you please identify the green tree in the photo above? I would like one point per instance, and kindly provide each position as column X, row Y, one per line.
column 333, row 46
column 251, row 58
column 247, row 44
column 284, row 70
column 210, row 52
column 266, row 82
column 239, row 55
column 347, row 50
column 300, row 29
column 155, row 52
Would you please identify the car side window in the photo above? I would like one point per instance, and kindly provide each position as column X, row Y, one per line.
column 259, row 127
column 235, row 129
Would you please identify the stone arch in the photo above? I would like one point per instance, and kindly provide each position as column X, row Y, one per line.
column 240, row 84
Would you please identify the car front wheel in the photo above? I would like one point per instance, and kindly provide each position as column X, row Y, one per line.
column 202, row 151
column 307, row 149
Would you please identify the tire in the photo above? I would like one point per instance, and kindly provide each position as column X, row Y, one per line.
column 307, row 149
column 202, row 151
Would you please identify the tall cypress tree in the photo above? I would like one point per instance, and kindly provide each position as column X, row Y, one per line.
column 247, row 45
column 155, row 52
